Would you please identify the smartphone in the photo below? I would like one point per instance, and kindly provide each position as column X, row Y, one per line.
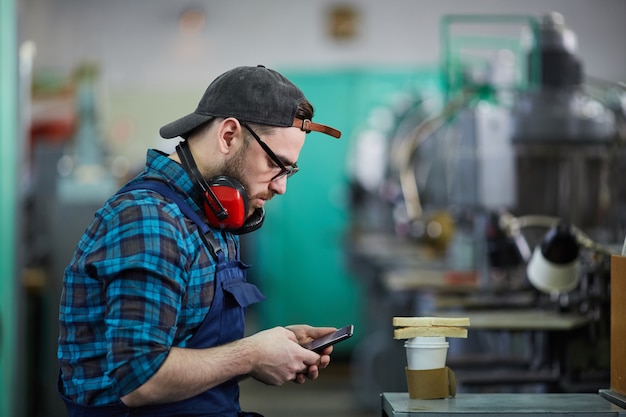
column 319, row 344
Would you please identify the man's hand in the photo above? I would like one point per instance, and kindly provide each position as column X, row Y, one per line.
column 304, row 334
column 281, row 357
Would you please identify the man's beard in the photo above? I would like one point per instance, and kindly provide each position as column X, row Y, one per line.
column 234, row 168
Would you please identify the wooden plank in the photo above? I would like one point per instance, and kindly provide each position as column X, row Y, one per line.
column 410, row 332
column 522, row 320
column 618, row 324
column 431, row 321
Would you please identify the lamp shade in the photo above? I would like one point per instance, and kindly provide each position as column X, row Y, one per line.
column 555, row 264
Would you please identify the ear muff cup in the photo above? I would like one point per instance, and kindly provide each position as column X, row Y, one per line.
column 233, row 198
column 231, row 194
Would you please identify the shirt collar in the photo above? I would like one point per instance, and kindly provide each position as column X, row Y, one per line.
column 158, row 164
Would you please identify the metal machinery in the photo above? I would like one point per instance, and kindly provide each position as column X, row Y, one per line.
column 521, row 159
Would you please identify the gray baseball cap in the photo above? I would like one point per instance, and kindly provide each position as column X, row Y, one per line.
column 252, row 94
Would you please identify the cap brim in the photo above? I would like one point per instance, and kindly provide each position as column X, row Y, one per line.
column 183, row 126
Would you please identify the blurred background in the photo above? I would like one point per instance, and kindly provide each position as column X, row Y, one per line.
column 474, row 131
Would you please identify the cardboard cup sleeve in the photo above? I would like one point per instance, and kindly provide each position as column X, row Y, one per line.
column 430, row 384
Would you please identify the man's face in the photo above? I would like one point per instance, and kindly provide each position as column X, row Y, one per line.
column 254, row 168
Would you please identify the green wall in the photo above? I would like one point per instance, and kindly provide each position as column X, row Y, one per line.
column 9, row 141
column 298, row 256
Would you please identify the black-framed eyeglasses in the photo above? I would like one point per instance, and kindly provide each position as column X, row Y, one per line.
column 287, row 171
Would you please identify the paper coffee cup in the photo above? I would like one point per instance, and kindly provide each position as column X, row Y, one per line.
column 426, row 352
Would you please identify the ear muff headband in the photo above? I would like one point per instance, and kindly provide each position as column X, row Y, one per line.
column 182, row 149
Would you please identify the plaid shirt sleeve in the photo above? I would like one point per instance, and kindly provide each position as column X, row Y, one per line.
column 127, row 279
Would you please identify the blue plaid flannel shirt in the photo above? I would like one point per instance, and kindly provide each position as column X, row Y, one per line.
column 140, row 282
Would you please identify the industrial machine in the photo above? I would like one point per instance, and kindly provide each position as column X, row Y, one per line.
column 508, row 187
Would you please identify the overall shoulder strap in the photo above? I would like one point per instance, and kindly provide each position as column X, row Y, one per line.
column 166, row 191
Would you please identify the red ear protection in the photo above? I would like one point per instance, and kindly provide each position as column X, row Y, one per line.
column 225, row 199
column 227, row 196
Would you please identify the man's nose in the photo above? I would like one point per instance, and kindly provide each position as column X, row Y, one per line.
column 279, row 186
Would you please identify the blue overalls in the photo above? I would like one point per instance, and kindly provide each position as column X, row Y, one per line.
column 223, row 324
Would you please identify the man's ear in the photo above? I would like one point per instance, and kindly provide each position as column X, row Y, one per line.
column 229, row 134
